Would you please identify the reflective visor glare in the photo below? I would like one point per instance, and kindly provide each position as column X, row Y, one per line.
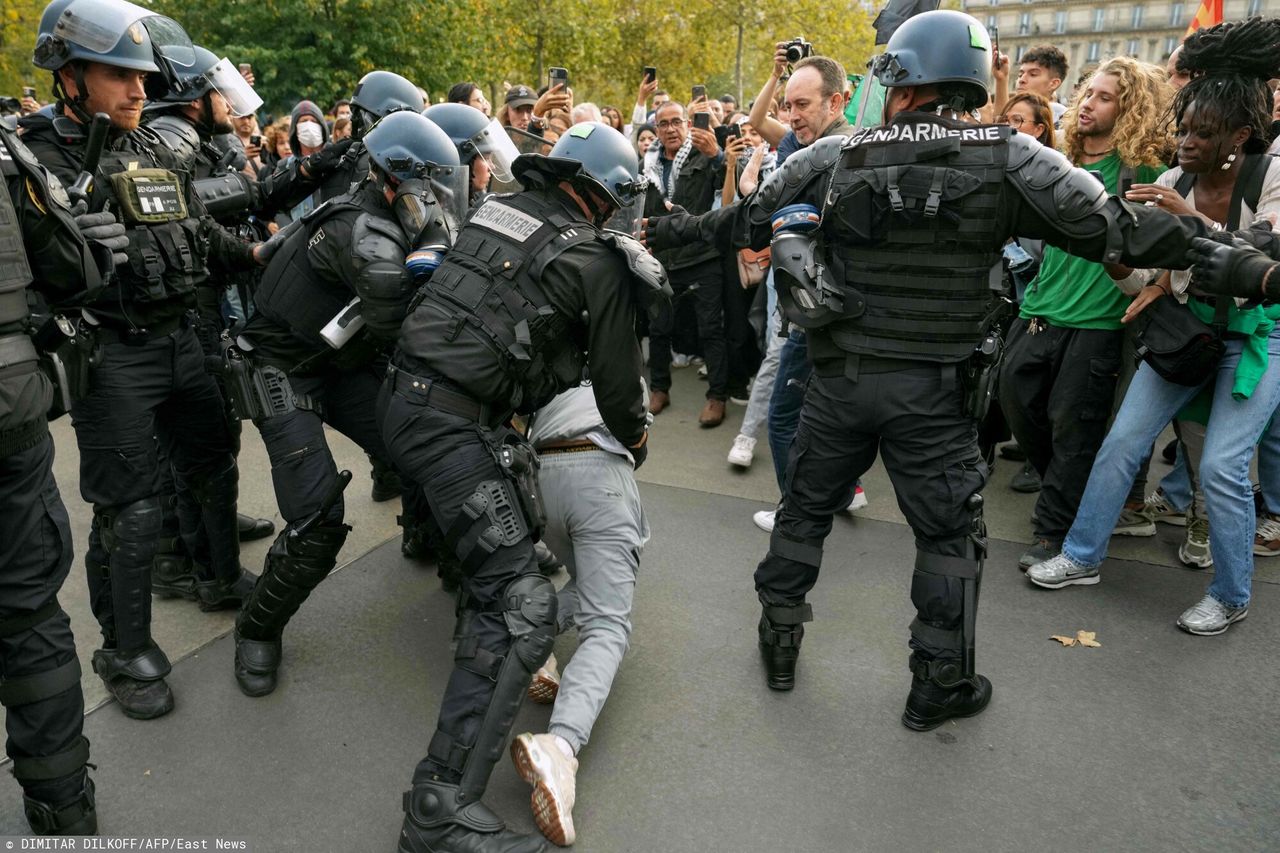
column 241, row 99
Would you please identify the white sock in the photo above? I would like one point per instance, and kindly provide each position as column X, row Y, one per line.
column 564, row 746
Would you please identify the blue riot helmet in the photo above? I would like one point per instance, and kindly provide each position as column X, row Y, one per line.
column 210, row 74
column 476, row 135
column 416, row 161
column 942, row 48
column 378, row 95
column 111, row 32
column 591, row 156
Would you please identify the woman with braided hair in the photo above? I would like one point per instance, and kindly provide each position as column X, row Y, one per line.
column 1222, row 120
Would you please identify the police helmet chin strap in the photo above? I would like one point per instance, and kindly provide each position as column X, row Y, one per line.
column 75, row 104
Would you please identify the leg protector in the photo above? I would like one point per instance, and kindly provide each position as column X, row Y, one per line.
column 528, row 606
column 216, row 493
column 435, row 819
column 64, row 806
column 129, row 535
column 296, row 564
column 781, row 630
column 171, row 570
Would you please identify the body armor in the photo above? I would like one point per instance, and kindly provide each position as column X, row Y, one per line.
column 291, row 294
column 910, row 236
column 483, row 319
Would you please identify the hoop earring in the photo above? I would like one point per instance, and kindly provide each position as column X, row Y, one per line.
column 1231, row 158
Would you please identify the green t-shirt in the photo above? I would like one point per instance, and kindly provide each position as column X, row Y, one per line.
column 1074, row 293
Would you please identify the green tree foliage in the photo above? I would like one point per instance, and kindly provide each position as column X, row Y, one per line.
column 318, row 49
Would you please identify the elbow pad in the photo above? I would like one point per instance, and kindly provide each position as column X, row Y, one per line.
column 383, row 282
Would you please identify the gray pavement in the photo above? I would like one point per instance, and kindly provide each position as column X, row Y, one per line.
column 1155, row 741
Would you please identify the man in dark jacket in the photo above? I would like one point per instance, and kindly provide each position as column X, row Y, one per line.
column 687, row 170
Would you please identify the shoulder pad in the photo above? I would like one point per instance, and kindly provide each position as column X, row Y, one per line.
column 377, row 238
column 800, row 169
column 1036, row 165
column 17, row 159
column 179, row 135
column 643, row 265
column 1058, row 190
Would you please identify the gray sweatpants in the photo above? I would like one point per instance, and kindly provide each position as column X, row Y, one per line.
column 597, row 527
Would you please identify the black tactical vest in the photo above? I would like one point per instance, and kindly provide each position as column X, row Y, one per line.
column 167, row 250
column 291, row 294
column 483, row 319
column 909, row 229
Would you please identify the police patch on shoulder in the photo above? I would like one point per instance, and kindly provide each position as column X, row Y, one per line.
column 505, row 220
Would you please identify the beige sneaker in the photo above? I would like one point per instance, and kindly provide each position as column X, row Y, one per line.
column 545, row 684
column 542, row 764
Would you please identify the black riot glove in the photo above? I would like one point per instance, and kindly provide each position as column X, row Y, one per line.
column 1232, row 268
column 666, row 232
column 103, row 230
column 1261, row 236
column 326, row 159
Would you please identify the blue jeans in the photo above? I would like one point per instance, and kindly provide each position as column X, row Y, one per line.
column 788, row 396
column 1269, row 466
column 1176, row 485
column 1234, row 428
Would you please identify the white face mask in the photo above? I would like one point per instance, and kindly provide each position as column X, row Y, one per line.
column 310, row 135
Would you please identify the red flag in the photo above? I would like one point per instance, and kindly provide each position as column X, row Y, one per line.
column 1209, row 13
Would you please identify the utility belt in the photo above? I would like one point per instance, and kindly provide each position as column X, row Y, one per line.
column 434, row 393
column 255, row 390
column 137, row 336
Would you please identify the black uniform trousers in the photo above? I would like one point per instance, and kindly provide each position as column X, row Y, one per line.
column 35, row 557
column 1056, row 389
column 138, row 393
column 704, row 285
column 449, row 456
column 302, row 466
column 914, row 418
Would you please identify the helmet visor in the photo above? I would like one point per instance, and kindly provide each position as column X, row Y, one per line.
column 451, row 186
column 170, row 41
column 496, row 147
column 626, row 220
column 230, row 84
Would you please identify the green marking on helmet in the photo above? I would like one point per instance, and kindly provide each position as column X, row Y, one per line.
column 582, row 131
column 977, row 38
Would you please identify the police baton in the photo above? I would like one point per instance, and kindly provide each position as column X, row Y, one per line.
column 79, row 191
column 331, row 498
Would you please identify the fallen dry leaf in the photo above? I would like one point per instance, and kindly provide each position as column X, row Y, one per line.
column 1066, row 641
column 1086, row 638
column 146, row 773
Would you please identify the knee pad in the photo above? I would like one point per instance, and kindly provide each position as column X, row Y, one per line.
column 219, row 488
column 529, row 609
column 131, row 524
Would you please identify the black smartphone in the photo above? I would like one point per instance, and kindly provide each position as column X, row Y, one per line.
column 650, row 73
column 734, row 131
column 29, row 92
column 699, row 93
column 995, row 42
column 255, row 139
column 557, row 76
column 702, row 120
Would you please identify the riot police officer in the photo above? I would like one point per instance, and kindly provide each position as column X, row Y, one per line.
column 482, row 142
column 188, row 118
column 40, row 688
column 148, row 378
column 531, row 293
column 329, row 306
column 330, row 172
column 888, row 253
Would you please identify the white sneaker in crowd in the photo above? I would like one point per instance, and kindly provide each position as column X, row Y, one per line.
column 540, row 762
column 680, row 360
column 743, row 451
column 859, row 500
column 764, row 519
column 545, row 685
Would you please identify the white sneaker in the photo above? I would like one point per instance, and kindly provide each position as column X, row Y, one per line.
column 546, row 683
column 764, row 519
column 702, row 371
column 542, row 764
column 859, row 500
column 679, row 360
column 743, row 451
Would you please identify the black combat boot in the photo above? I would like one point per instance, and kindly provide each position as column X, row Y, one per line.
column 940, row 691
column 781, row 630
column 62, row 806
column 250, row 528
column 136, row 680
column 225, row 594
column 386, row 480
column 435, row 823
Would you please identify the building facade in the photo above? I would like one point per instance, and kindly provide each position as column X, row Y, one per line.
column 1091, row 31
